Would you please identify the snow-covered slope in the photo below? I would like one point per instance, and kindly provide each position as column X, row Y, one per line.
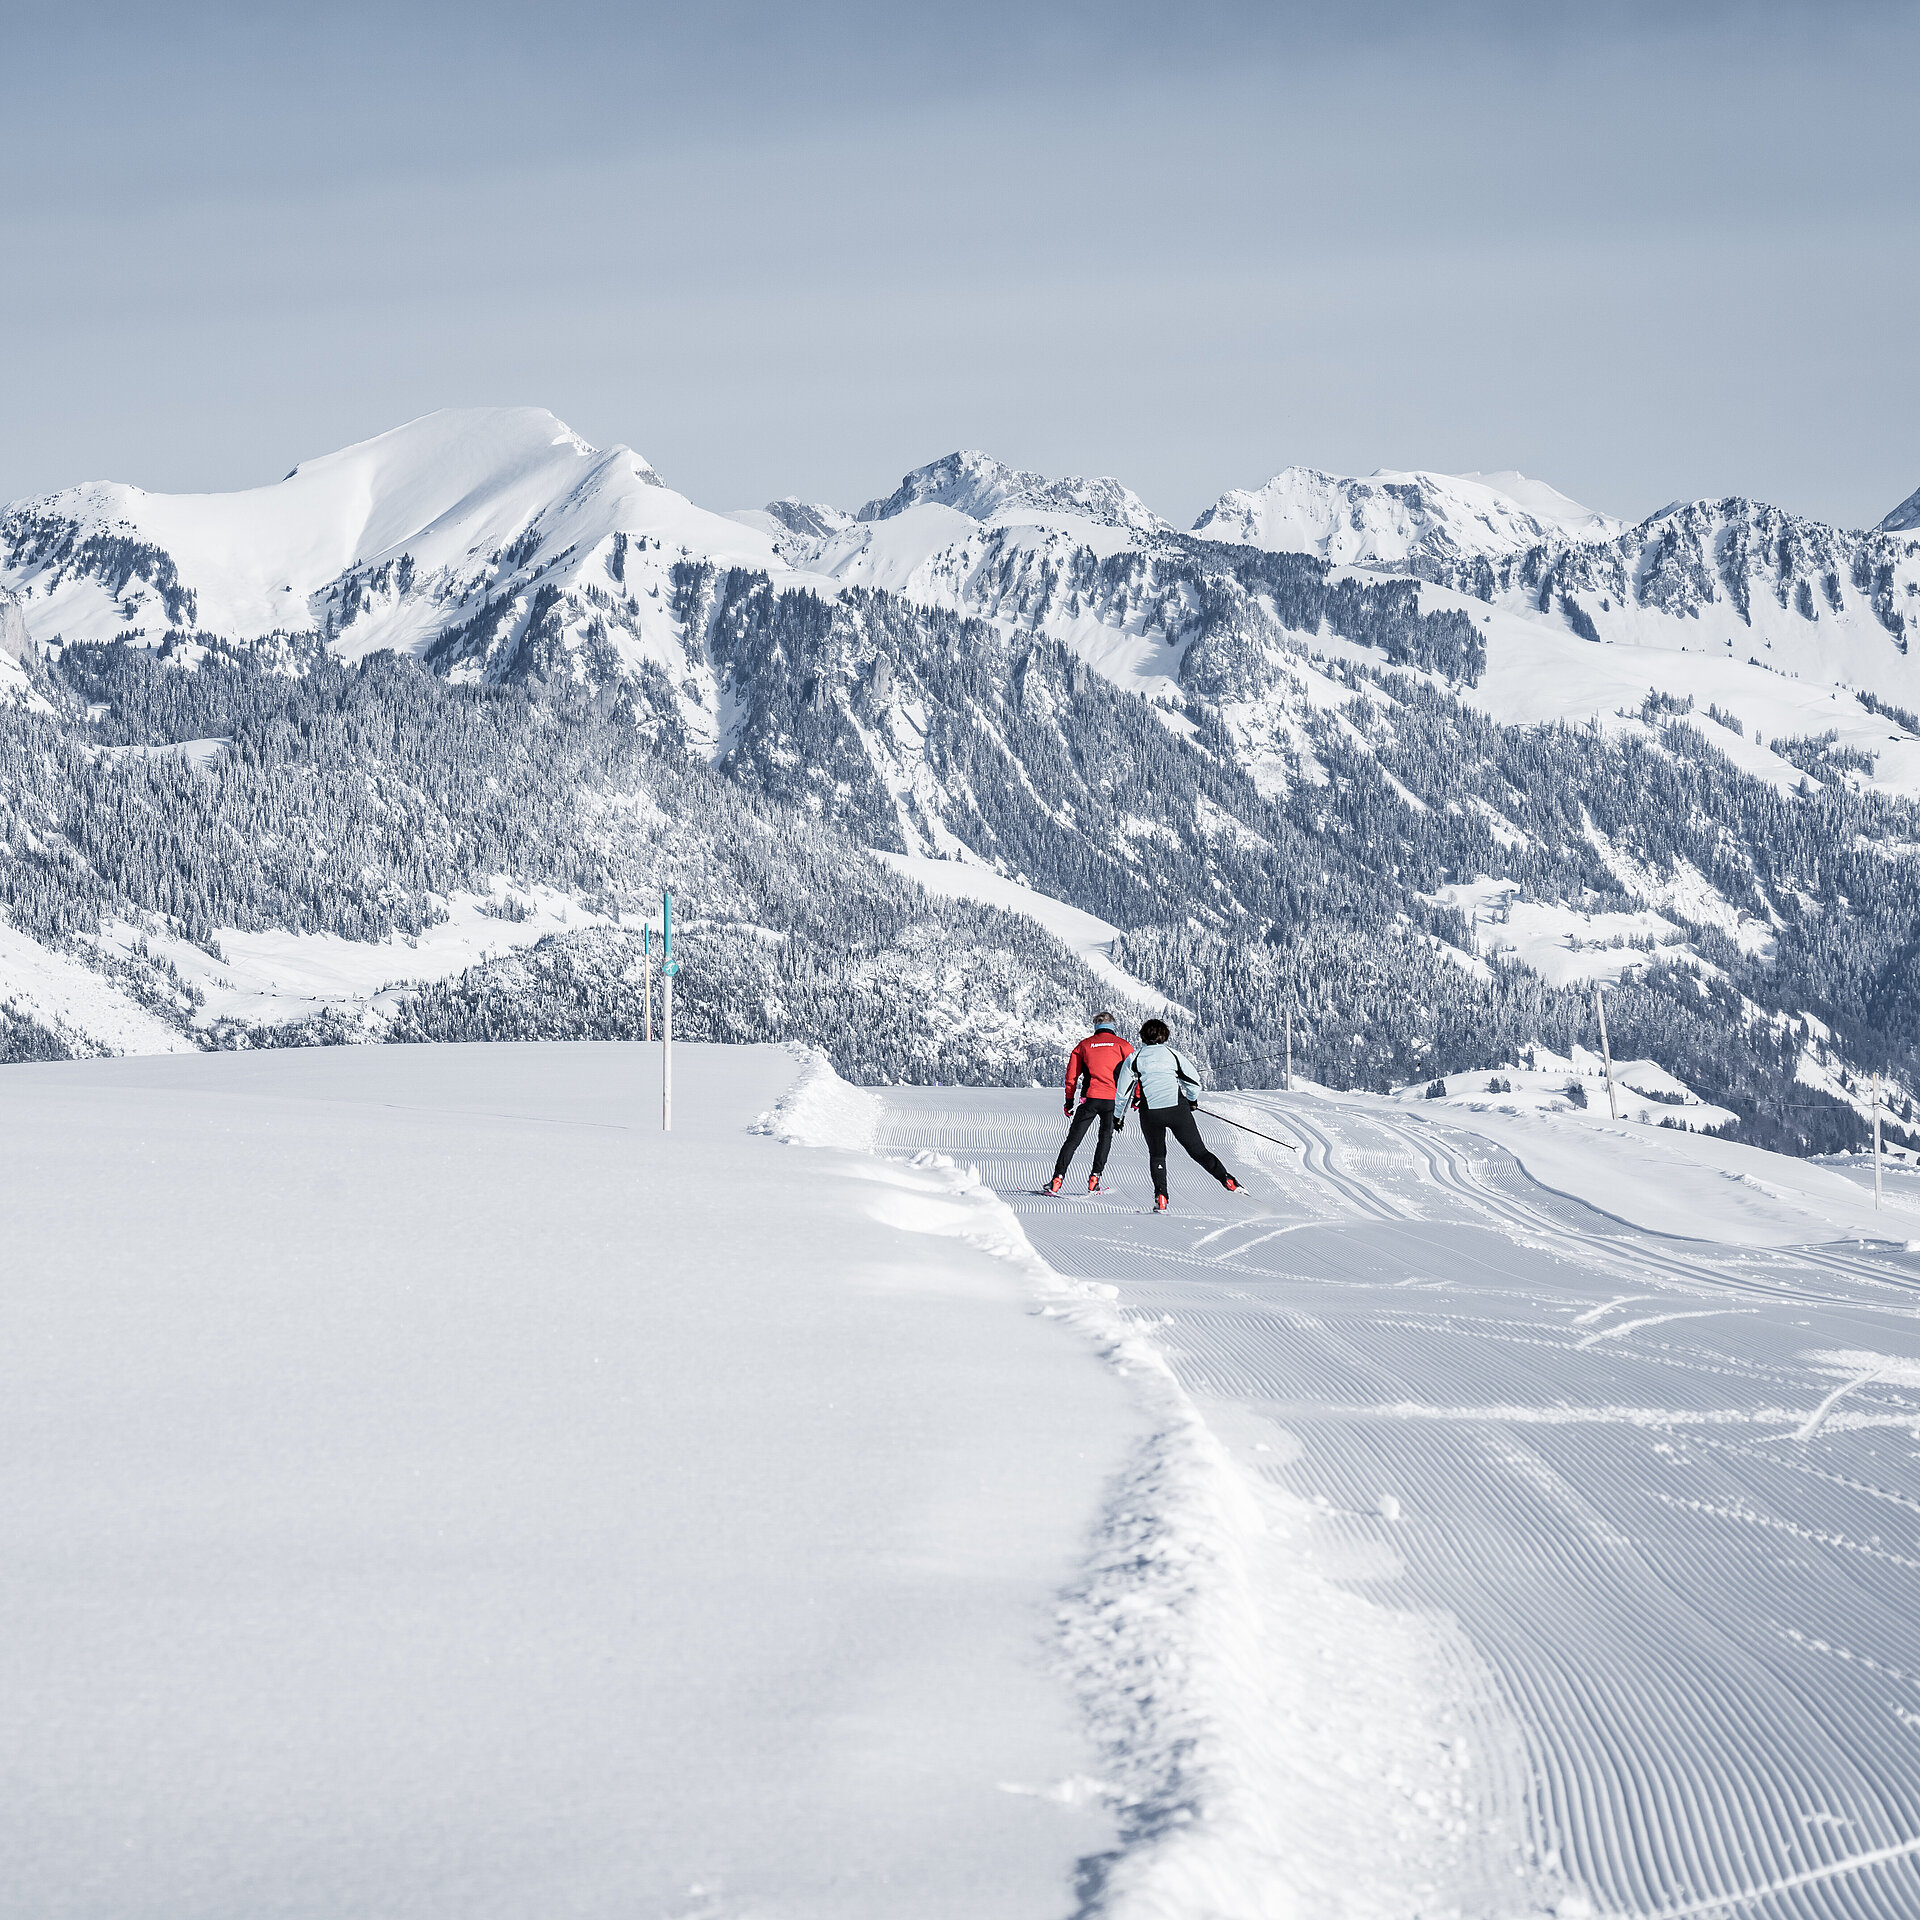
column 1562, row 1518
column 1395, row 1536
column 1387, row 519
column 1546, row 503
column 472, row 1500
column 1079, row 932
column 1761, row 715
column 1734, row 579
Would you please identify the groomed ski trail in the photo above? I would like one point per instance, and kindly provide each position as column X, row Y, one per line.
column 1584, row 1454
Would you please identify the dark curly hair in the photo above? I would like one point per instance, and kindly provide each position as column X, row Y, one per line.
column 1154, row 1033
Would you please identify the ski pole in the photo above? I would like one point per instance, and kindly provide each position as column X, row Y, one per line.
column 1212, row 1114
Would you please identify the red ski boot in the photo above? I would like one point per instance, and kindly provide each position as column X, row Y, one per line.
column 1093, row 1184
column 1055, row 1184
column 1159, row 1203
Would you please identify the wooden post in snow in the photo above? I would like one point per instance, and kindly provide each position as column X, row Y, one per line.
column 1606, row 1052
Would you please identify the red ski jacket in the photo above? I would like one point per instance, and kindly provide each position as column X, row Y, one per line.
column 1096, row 1059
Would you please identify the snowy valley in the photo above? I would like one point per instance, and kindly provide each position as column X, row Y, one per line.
column 404, row 745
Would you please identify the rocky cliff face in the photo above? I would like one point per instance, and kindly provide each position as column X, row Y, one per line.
column 14, row 637
column 1905, row 518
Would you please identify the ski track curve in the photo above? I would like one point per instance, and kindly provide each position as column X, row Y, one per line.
column 1701, row 1622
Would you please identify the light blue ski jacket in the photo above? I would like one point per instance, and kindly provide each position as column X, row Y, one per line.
column 1165, row 1074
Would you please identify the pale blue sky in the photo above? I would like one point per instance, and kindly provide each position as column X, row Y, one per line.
column 1640, row 251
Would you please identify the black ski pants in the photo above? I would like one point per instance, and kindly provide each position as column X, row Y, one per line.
column 1156, row 1123
column 1090, row 1111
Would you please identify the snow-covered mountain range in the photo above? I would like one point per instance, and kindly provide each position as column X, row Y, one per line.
column 1036, row 680
column 492, row 543
column 497, row 545
column 980, row 487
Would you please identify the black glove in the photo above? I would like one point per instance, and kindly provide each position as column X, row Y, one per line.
column 1068, row 1109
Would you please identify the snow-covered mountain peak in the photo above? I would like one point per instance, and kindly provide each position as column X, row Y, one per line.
column 493, row 540
column 456, row 446
column 1389, row 518
column 986, row 489
column 1905, row 518
column 439, row 489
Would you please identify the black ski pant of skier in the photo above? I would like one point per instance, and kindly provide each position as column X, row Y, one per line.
column 1090, row 1111
column 1156, row 1123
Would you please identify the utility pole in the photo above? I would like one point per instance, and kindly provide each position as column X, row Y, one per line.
column 1606, row 1052
column 669, row 966
column 1286, row 1076
column 1876, row 1143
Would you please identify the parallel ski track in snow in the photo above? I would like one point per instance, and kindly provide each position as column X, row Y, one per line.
column 1448, row 1166
column 1704, row 1624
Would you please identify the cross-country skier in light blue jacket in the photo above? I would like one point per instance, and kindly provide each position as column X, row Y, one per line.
column 1165, row 1085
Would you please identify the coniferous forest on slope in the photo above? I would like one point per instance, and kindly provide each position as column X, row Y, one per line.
column 348, row 796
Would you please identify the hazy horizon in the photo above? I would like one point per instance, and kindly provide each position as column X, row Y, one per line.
column 1639, row 253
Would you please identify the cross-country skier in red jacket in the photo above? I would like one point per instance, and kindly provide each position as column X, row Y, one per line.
column 1092, row 1065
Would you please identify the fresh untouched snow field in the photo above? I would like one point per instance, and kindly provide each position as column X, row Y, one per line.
column 432, row 1491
